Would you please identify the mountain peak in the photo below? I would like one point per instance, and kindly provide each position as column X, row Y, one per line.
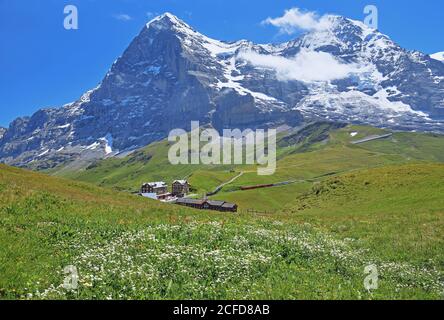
column 342, row 33
column 168, row 16
column 340, row 24
column 167, row 21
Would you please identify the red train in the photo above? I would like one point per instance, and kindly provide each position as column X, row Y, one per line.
column 257, row 187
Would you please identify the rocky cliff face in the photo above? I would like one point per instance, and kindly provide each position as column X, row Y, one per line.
column 171, row 75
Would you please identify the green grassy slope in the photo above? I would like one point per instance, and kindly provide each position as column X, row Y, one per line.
column 337, row 156
column 127, row 247
column 148, row 164
column 399, row 210
column 38, row 211
column 317, row 150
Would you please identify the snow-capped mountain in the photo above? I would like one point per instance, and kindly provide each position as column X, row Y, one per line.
column 171, row 74
column 438, row 56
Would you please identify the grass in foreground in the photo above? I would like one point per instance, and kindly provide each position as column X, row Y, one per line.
column 125, row 247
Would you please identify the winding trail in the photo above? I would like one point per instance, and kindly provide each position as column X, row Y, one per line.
column 219, row 188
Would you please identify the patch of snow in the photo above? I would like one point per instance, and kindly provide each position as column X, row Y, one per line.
column 355, row 105
column 438, row 56
column 392, row 91
column 93, row 146
column 153, row 70
column 86, row 97
column 437, row 79
column 43, row 153
column 396, row 106
column 83, row 117
column 365, row 29
column 108, row 139
column 129, row 100
column 107, row 102
column 64, row 126
column 418, row 57
column 231, row 82
column 218, row 48
column 172, row 17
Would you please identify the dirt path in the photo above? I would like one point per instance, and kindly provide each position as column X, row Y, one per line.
column 372, row 138
column 219, row 188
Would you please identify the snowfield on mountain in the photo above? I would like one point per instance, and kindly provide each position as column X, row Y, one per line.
column 438, row 56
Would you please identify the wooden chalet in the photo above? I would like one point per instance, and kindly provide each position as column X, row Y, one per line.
column 158, row 188
column 180, row 188
column 204, row 204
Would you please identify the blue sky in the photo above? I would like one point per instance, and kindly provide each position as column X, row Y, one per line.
column 43, row 65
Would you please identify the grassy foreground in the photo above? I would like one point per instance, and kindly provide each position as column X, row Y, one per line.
column 125, row 247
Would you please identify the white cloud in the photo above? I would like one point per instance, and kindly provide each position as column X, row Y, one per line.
column 306, row 66
column 151, row 14
column 123, row 17
column 296, row 19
